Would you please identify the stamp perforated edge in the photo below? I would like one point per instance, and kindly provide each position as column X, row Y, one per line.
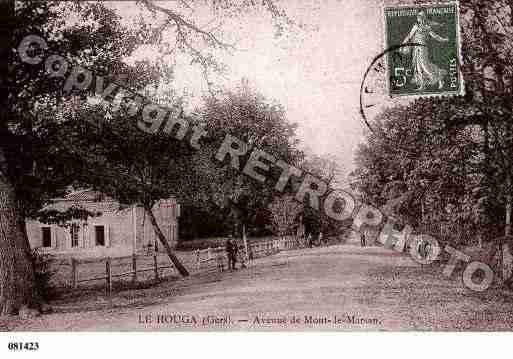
column 461, row 91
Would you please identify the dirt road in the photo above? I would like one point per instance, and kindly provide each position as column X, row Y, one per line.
column 333, row 288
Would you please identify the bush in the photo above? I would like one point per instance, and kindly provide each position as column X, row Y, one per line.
column 44, row 273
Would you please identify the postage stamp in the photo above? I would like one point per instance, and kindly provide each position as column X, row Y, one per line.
column 426, row 50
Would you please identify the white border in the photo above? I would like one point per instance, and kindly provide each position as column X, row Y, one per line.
column 260, row 345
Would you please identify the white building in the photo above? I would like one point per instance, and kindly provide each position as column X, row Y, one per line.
column 118, row 231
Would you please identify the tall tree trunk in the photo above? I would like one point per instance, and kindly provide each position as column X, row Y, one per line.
column 488, row 175
column 507, row 227
column 245, row 242
column 17, row 275
column 181, row 269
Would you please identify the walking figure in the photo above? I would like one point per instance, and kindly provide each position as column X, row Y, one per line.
column 231, row 253
column 323, row 241
column 362, row 239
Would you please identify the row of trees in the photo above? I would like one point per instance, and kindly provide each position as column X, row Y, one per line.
column 51, row 141
column 451, row 158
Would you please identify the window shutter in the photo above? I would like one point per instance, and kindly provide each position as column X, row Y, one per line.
column 67, row 235
column 107, row 235
column 53, row 237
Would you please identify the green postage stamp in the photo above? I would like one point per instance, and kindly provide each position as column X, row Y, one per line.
column 423, row 50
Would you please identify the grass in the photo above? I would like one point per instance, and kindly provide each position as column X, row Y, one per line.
column 85, row 271
column 61, row 281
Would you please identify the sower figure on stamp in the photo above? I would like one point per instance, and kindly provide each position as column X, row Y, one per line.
column 425, row 72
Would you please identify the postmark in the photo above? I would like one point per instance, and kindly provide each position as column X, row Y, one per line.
column 427, row 54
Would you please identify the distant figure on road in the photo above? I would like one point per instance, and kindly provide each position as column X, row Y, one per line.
column 309, row 240
column 362, row 239
column 242, row 255
column 321, row 240
column 235, row 253
column 231, row 253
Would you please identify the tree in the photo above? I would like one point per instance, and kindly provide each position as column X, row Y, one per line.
column 284, row 214
column 413, row 158
column 17, row 274
column 31, row 170
column 152, row 166
column 327, row 169
column 259, row 123
column 26, row 177
column 108, row 152
column 452, row 156
column 96, row 39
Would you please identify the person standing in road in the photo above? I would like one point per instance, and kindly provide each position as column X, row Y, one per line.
column 231, row 253
column 322, row 240
column 235, row 254
column 362, row 239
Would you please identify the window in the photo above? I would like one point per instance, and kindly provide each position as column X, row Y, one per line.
column 74, row 234
column 99, row 232
column 47, row 236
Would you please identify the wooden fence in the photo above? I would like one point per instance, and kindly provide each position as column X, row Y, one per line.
column 103, row 269
column 151, row 266
column 215, row 259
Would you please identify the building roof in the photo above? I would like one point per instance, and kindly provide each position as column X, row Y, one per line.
column 95, row 202
column 90, row 200
column 86, row 195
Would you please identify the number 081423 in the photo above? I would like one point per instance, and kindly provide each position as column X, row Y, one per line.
column 19, row 346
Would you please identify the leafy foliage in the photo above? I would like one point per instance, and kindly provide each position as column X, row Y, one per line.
column 44, row 273
column 284, row 214
column 450, row 158
column 261, row 124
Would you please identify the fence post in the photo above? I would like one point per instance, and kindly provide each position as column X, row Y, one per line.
column 156, row 266
column 108, row 269
column 245, row 242
column 243, row 256
column 134, row 267
column 220, row 259
column 74, row 272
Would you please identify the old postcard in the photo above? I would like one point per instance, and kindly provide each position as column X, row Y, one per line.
column 255, row 166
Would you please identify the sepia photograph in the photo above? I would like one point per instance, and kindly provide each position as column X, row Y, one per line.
column 255, row 166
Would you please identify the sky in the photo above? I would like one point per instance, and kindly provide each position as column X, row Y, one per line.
column 315, row 73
